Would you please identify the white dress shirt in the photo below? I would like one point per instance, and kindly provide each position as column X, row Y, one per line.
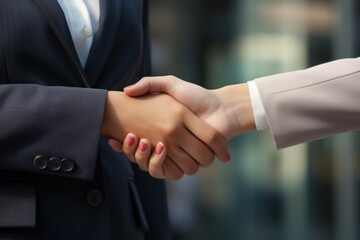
column 82, row 17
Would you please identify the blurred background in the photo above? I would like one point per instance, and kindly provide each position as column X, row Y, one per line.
column 310, row 191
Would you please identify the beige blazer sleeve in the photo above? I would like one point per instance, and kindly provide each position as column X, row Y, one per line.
column 314, row 103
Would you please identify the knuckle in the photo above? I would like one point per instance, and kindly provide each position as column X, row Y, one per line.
column 142, row 164
column 140, row 161
column 153, row 174
column 177, row 175
column 193, row 170
column 127, row 151
column 156, row 174
column 171, row 76
column 179, row 110
column 208, row 160
column 144, row 78
column 129, row 155
column 170, row 130
column 213, row 136
column 154, row 168
column 138, row 156
column 169, row 83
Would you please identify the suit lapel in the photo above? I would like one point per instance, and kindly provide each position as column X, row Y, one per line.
column 54, row 16
column 110, row 12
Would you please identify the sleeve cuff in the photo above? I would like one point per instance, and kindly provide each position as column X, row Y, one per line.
column 258, row 107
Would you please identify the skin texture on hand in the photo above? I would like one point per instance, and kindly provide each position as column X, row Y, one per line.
column 147, row 161
column 227, row 109
column 235, row 101
column 190, row 142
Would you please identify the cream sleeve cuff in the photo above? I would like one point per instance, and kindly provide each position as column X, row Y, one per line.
column 258, row 107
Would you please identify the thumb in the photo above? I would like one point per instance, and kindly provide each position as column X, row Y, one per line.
column 149, row 85
column 115, row 145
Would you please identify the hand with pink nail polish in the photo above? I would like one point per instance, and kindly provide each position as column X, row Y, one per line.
column 228, row 109
column 159, row 121
column 139, row 152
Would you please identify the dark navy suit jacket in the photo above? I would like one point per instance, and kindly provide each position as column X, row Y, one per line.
column 58, row 177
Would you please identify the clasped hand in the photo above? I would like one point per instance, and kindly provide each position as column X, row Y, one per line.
column 182, row 141
column 185, row 141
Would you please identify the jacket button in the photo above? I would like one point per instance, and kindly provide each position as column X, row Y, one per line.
column 94, row 198
column 87, row 31
column 40, row 162
column 54, row 164
column 67, row 165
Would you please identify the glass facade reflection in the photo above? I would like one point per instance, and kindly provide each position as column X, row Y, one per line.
column 309, row 191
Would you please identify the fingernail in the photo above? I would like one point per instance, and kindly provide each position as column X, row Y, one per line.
column 228, row 158
column 142, row 145
column 159, row 148
column 130, row 138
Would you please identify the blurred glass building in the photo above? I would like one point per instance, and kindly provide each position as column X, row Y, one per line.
column 310, row 191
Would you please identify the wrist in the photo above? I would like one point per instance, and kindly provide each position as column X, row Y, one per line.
column 111, row 126
column 237, row 102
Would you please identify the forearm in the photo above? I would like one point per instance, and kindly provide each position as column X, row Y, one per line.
column 110, row 119
column 313, row 103
column 237, row 103
column 60, row 122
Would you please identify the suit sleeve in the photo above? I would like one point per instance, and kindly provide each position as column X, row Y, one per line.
column 314, row 103
column 39, row 123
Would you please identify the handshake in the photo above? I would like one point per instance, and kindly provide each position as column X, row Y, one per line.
column 184, row 128
column 170, row 127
